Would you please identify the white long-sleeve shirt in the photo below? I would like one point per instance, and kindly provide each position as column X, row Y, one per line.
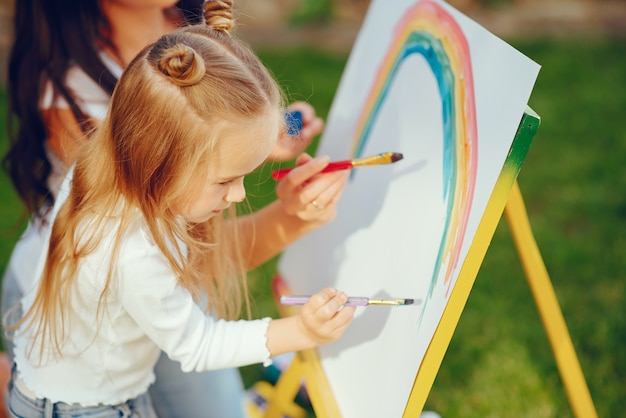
column 111, row 361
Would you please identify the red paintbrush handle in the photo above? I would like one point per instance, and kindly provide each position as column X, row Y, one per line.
column 336, row 166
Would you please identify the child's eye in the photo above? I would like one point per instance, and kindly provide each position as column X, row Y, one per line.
column 229, row 181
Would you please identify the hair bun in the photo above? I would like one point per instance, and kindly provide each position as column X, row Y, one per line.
column 182, row 65
column 218, row 14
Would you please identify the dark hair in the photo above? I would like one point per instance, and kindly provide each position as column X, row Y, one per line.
column 49, row 36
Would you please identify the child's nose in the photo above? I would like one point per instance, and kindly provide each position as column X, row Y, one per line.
column 236, row 193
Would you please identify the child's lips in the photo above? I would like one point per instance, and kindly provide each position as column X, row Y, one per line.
column 218, row 211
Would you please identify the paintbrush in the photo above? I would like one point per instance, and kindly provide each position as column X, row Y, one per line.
column 352, row 301
column 378, row 159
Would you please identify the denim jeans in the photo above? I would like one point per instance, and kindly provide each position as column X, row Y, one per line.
column 21, row 406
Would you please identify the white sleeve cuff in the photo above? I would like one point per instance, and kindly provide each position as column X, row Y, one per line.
column 268, row 360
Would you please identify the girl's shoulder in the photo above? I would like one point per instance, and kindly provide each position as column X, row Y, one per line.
column 138, row 243
column 141, row 263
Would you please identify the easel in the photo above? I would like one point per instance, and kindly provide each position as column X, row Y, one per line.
column 506, row 197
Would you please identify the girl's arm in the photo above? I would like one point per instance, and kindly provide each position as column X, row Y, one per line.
column 269, row 230
column 152, row 300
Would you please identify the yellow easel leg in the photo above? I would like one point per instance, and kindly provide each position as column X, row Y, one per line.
column 548, row 306
column 285, row 391
column 320, row 393
column 305, row 365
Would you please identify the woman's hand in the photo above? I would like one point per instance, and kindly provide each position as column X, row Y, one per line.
column 310, row 195
column 289, row 146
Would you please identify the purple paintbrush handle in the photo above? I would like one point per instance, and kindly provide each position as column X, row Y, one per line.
column 302, row 299
column 356, row 301
column 293, row 299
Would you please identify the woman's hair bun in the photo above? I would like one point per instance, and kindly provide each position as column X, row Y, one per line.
column 218, row 14
column 182, row 65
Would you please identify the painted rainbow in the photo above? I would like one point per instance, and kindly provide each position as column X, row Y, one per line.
column 429, row 30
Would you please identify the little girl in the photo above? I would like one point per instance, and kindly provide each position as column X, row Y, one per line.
column 145, row 251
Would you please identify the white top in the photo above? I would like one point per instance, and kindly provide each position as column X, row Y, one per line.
column 147, row 311
column 94, row 101
column 90, row 97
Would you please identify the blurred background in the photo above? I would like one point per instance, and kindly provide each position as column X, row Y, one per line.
column 499, row 363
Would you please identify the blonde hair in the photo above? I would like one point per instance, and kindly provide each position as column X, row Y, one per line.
column 165, row 119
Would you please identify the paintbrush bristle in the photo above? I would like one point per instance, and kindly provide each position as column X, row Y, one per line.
column 396, row 156
column 383, row 158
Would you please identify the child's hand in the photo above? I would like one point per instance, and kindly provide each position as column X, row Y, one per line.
column 309, row 195
column 324, row 318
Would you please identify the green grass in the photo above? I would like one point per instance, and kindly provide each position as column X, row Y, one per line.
column 11, row 213
column 499, row 363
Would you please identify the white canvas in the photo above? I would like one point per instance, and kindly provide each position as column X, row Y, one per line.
column 387, row 238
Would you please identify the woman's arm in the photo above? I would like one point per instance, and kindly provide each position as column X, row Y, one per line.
column 269, row 230
column 65, row 137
